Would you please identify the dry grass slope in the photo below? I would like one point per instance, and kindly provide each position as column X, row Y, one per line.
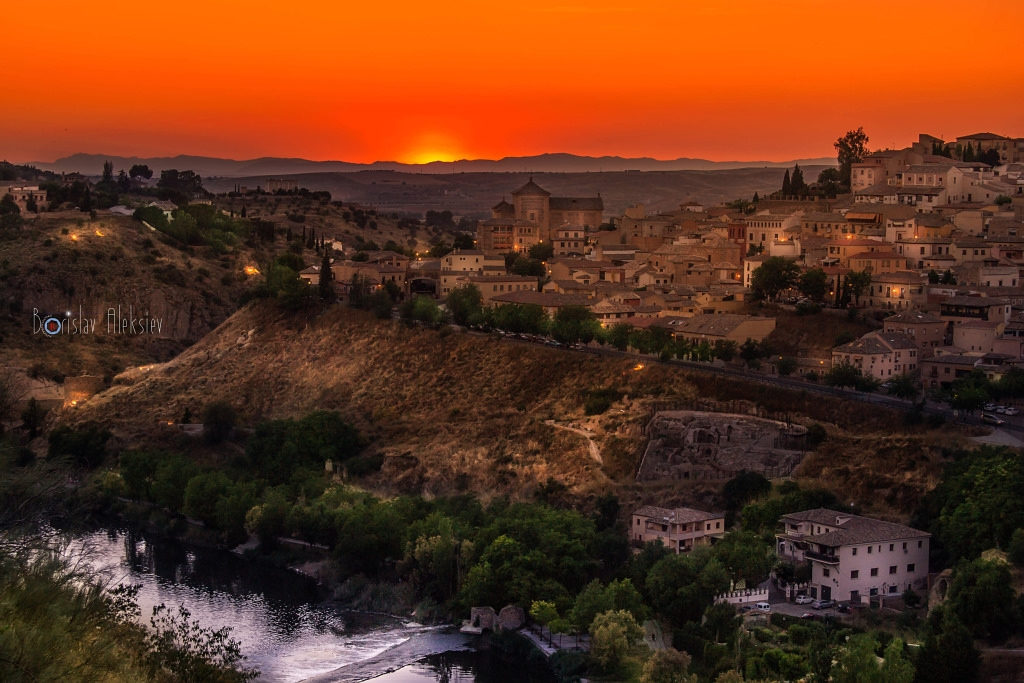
column 454, row 411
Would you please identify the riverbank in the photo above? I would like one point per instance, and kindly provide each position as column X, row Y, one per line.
column 430, row 641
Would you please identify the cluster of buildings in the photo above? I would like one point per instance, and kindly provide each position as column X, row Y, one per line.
column 852, row 558
column 938, row 226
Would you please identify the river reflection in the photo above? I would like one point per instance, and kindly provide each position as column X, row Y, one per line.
column 275, row 614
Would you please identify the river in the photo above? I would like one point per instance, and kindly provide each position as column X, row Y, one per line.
column 284, row 630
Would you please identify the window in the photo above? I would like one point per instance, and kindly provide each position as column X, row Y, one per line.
column 905, row 545
column 869, row 549
column 854, row 551
column 892, row 569
column 920, row 543
column 855, row 574
column 825, row 572
column 910, row 567
column 874, row 571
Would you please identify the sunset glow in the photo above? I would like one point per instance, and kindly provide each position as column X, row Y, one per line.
column 424, row 81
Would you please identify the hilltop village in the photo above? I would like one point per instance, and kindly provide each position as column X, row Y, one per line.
column 927, row 247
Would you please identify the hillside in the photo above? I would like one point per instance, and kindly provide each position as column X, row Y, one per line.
column 60, row 262
column 452, row 411
column 473, row 194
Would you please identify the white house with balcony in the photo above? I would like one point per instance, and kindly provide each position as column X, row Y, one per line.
column 854, row 558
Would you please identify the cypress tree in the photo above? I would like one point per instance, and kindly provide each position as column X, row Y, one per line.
column 786, row 186
column 797, row 185
column 326, row 275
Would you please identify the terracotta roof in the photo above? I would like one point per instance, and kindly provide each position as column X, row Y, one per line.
column 708, row 325
column 531, row 189
column 914, row 318
column 676, row 515
column 853, row 529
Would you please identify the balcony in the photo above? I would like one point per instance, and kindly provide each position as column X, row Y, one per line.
column 821, row 557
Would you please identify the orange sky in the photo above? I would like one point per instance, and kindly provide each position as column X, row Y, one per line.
column 412, row 81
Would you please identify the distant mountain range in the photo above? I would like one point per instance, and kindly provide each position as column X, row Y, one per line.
column 92, row 164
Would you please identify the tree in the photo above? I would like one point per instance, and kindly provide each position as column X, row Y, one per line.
column 857, row 282
column 948, row 654
column 797, row 186
column 990, row 156
column 218, row 420
column 326, row 284
column 618, row 335
column 982, row 598
column 774, row 275
column 903, row 386
column 829, row 182
column 542, row 251
column 543, row 611
column 785, row 365
column 743, row 488
column 968, row 152
column 668, row 666
column 745, row 556
column 786, row 185
column 10, row 213
column 575, row 324
column 462, row 240
column 851, row 148
column 843, row 375
column 140, row 171
column 32, row 417
column 856, row 662
column 814, row 284
column 465, row 304
column 613, row 635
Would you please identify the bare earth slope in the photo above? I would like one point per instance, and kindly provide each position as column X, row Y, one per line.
column 454, row 411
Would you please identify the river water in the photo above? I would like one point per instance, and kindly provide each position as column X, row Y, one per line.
column 284, row 630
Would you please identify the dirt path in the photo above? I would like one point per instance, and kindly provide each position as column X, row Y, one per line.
column 595, row 452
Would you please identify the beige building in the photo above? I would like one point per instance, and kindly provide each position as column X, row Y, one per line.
column 458, row 266
column 535, row 205
column 898, row 291
column 927, row 331
column 721, row 327
column 679, row 529
column 881, row 355
column 854, row 558
column 23, row 194
column 497, row 285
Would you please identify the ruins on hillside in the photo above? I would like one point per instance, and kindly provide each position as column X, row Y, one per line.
column 697, row 445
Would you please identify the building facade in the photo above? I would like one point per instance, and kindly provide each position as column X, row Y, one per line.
column 854, row 558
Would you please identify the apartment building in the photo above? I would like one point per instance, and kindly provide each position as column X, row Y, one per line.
column 854, row 558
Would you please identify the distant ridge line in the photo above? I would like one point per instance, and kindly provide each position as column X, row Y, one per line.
column 92, row 164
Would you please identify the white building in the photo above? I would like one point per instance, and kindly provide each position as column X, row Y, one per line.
column 854, row 558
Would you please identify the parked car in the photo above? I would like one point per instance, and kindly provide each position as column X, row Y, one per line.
column 811, row 615
column 843, row 608
column 803, row 600
column 823, row 604
column 991, row 419
column 1001, row 410
column 990, row 406
column 1011, row 411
